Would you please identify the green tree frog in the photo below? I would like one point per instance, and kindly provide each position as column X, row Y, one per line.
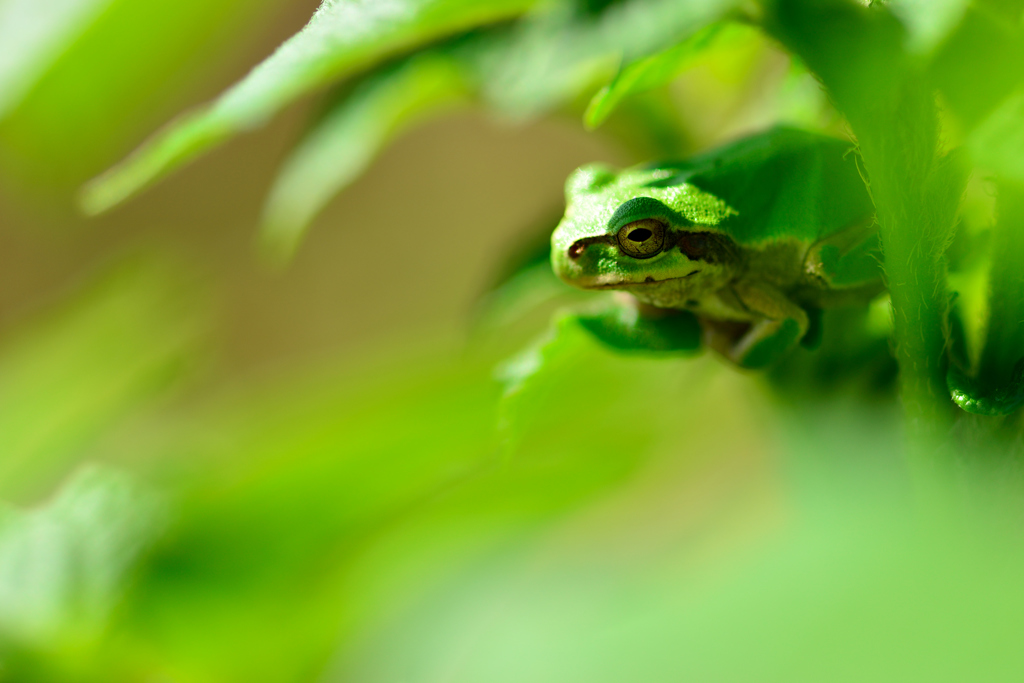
column 742, row 246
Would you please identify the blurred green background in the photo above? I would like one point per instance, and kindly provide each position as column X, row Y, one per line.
column 379, row 459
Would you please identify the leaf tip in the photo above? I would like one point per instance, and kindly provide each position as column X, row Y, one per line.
column 597, row 111
column 182, row 139
column 102, row 193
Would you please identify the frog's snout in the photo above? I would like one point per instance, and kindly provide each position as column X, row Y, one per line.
column 575, row 250
column 568, row 261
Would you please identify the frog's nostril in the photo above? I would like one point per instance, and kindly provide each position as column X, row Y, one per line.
column 577, row 249
column 639, row 235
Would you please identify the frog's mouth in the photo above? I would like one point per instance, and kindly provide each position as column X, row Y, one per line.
column 619, row 284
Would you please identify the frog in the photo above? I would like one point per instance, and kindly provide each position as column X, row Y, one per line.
column 738, row 249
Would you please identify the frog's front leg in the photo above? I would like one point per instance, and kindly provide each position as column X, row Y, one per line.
column 627, row 325
column 779, row 324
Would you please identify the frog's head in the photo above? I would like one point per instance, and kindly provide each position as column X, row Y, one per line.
column 641, row 230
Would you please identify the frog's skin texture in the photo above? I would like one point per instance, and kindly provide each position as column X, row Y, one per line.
column 751, row 239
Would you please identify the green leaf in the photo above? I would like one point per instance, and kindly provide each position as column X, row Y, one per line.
column 341, row 146
column 332, row 507
column 342, row 36
column 532, row 377
column 857, row 52
column 564, row 339
column 652, row 72
column 928, row 22
column 117, row 79
column 997, row 143
column 589, row 422
column 980, row 64
column 719, row 576
column 557, row 57
column 62, row 565
column 33, row 35
column 283, row 485
column 996, row 387
column 70, row 377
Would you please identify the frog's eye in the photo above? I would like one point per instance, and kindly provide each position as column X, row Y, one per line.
column 643, row 238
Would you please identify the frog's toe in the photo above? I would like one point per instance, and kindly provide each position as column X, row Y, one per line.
column 815, row 330
column 982, row 398
column 760, row 351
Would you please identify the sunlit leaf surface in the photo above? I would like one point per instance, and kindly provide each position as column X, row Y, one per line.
column 33, row 34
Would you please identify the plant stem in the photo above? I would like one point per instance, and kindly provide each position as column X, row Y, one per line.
column 858, row 53
column 916, row 193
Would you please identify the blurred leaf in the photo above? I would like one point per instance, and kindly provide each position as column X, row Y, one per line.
column 531, row 376
column 802, row 101
column 988, row 378
column 996, row 385
column 590, row 419
column 648, row 124
column 521, row 294
column 585, row 424
column 299, row 483
column 652, row 72
column 34, row 33
column 970, row 260
column 556, row 56
column 68, row 378
column 286, row 486
column 858, row 52
column 342, row 36
column 831, row 573
column 342, row 145
column 63, row 564
column 928, row 22
column 524, row 292
column 562, row 338
column 672, row 584
column 997, row 143
column 980, row 64
column 116, row 81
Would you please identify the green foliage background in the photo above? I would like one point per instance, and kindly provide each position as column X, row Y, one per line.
column 502, row 499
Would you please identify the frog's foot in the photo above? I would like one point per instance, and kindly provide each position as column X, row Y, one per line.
column 767, row 342
column 780, row 326
column 815, row 331
column 628, row 326
column 987, row 398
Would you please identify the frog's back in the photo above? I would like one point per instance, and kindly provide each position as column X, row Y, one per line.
column 780, row 184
